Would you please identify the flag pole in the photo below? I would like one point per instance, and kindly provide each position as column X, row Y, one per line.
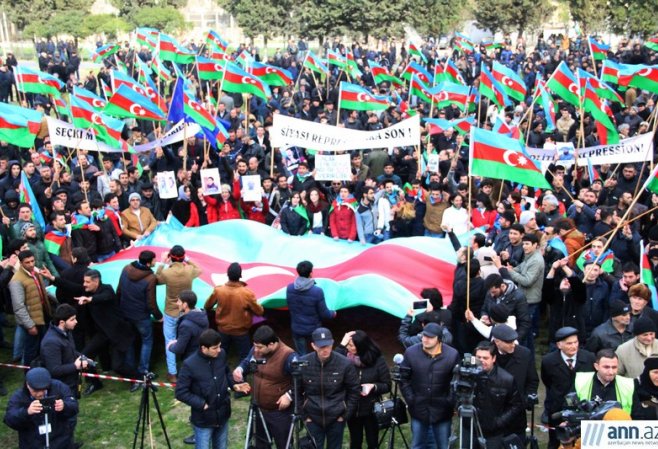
column 272, row 161
column 301, row 71
column 527, row 136
column 340, row 91
column 185, row 146
column 591, row 53
column 82, row 173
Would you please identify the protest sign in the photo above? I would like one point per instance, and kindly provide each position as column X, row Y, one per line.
column 333, row 167
column 250, row 189
column 210, row 181
column 167, row 185
column 433, row 163
column 633, row 149
column 288, row 131
column 176, row 134
column 66, row 135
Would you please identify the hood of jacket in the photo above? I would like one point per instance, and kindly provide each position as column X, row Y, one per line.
column 302, row 284
column 137, row 272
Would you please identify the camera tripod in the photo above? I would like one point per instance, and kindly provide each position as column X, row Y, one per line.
column 144, row 416
column 295, row 441
column 395, row 424
column 468, row 423
column 46, row 423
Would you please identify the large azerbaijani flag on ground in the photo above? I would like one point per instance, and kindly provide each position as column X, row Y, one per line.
column 495, row 156
column 350, row 275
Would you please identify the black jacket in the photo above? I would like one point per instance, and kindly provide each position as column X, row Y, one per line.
column 136, row 291
column 205, row 380
column 331, row 389
column 292, row 223
column 521, row 365
column 427, row 390
column 58, row 355
column 605, row 336
column 377, row 374
column 645, row 399
column 188, row 329
column 558, row 379
column 499, row 404
column 516, row 302
column 62, row 423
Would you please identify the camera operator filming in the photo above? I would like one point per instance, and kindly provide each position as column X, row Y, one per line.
column 43, row 412
column 269, row 361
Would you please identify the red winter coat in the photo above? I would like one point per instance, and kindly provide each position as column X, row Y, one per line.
column 255, row 215
column 486, row 218
column 218, row 210
column 342, row 222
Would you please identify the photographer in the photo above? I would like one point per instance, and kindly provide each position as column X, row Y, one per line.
column 497, row 400
column 270, row 362
column 58, row 352
column 427, row 388
column 331, row 391
column 375, row 379
column 27, row 407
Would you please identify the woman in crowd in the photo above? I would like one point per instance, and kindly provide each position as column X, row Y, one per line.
column 293, row 217
column 318, row 212
column 375, row 380
column 184, row 209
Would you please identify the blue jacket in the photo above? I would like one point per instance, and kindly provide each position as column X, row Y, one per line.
column 307, row 306
column 62, row 423
column 58, row 355
column 136, row 291
column 205, row 380
column 188, row 330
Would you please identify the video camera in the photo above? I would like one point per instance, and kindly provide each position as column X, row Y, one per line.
column 296, row 366
column 464, row 380
column 576, row 411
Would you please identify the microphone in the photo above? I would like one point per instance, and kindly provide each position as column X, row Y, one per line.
column 398, row 359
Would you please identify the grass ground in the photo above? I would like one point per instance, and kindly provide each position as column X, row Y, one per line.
column 107, row 418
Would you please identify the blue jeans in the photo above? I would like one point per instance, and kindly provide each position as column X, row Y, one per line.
column 169, row 330
column 205, row 436
column 145, row 329
column 419, row 432
column 104, row 257
column 31, row 344
column 333, row 433
column 19, row 342
column 301, row 344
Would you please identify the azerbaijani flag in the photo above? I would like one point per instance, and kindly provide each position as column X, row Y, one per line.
column 357, row 98
column 439, row 72
column 448, row 93
column 640, row 76
column 563, row 83
column 163, row 73
column 595, row 105
column 610, row 72
column 352, row 67
column 651, row 184
column 413, row 68
column 53, row 241
column 496, row 156
column 548, row 105
column 421, row 90
column 463, row 43
column 82, row 113
column 94, row 100
column 36, row 82
column 381, row 74
column 315, row 64
column 185, row 107
column 214, row 39
column 27, row 196
column 171, row 50
column 452, row 73
column 210, row 69
column 510, row 81
column 490, row 45
column 273, row 76
column 646, row 274
column 491, row 88
column 105, row 52
column 598, row 49
column 237, row 80
column 462, row 125
column 127, row 103
column 107, row 90
column 147, row 37
column 19, row 125
column 601, row 88
column 415, row 51
column 336, row 59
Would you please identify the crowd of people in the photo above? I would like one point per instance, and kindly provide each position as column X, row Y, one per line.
column 569, row 254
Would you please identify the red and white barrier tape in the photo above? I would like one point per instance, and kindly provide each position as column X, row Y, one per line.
column 103, row 376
